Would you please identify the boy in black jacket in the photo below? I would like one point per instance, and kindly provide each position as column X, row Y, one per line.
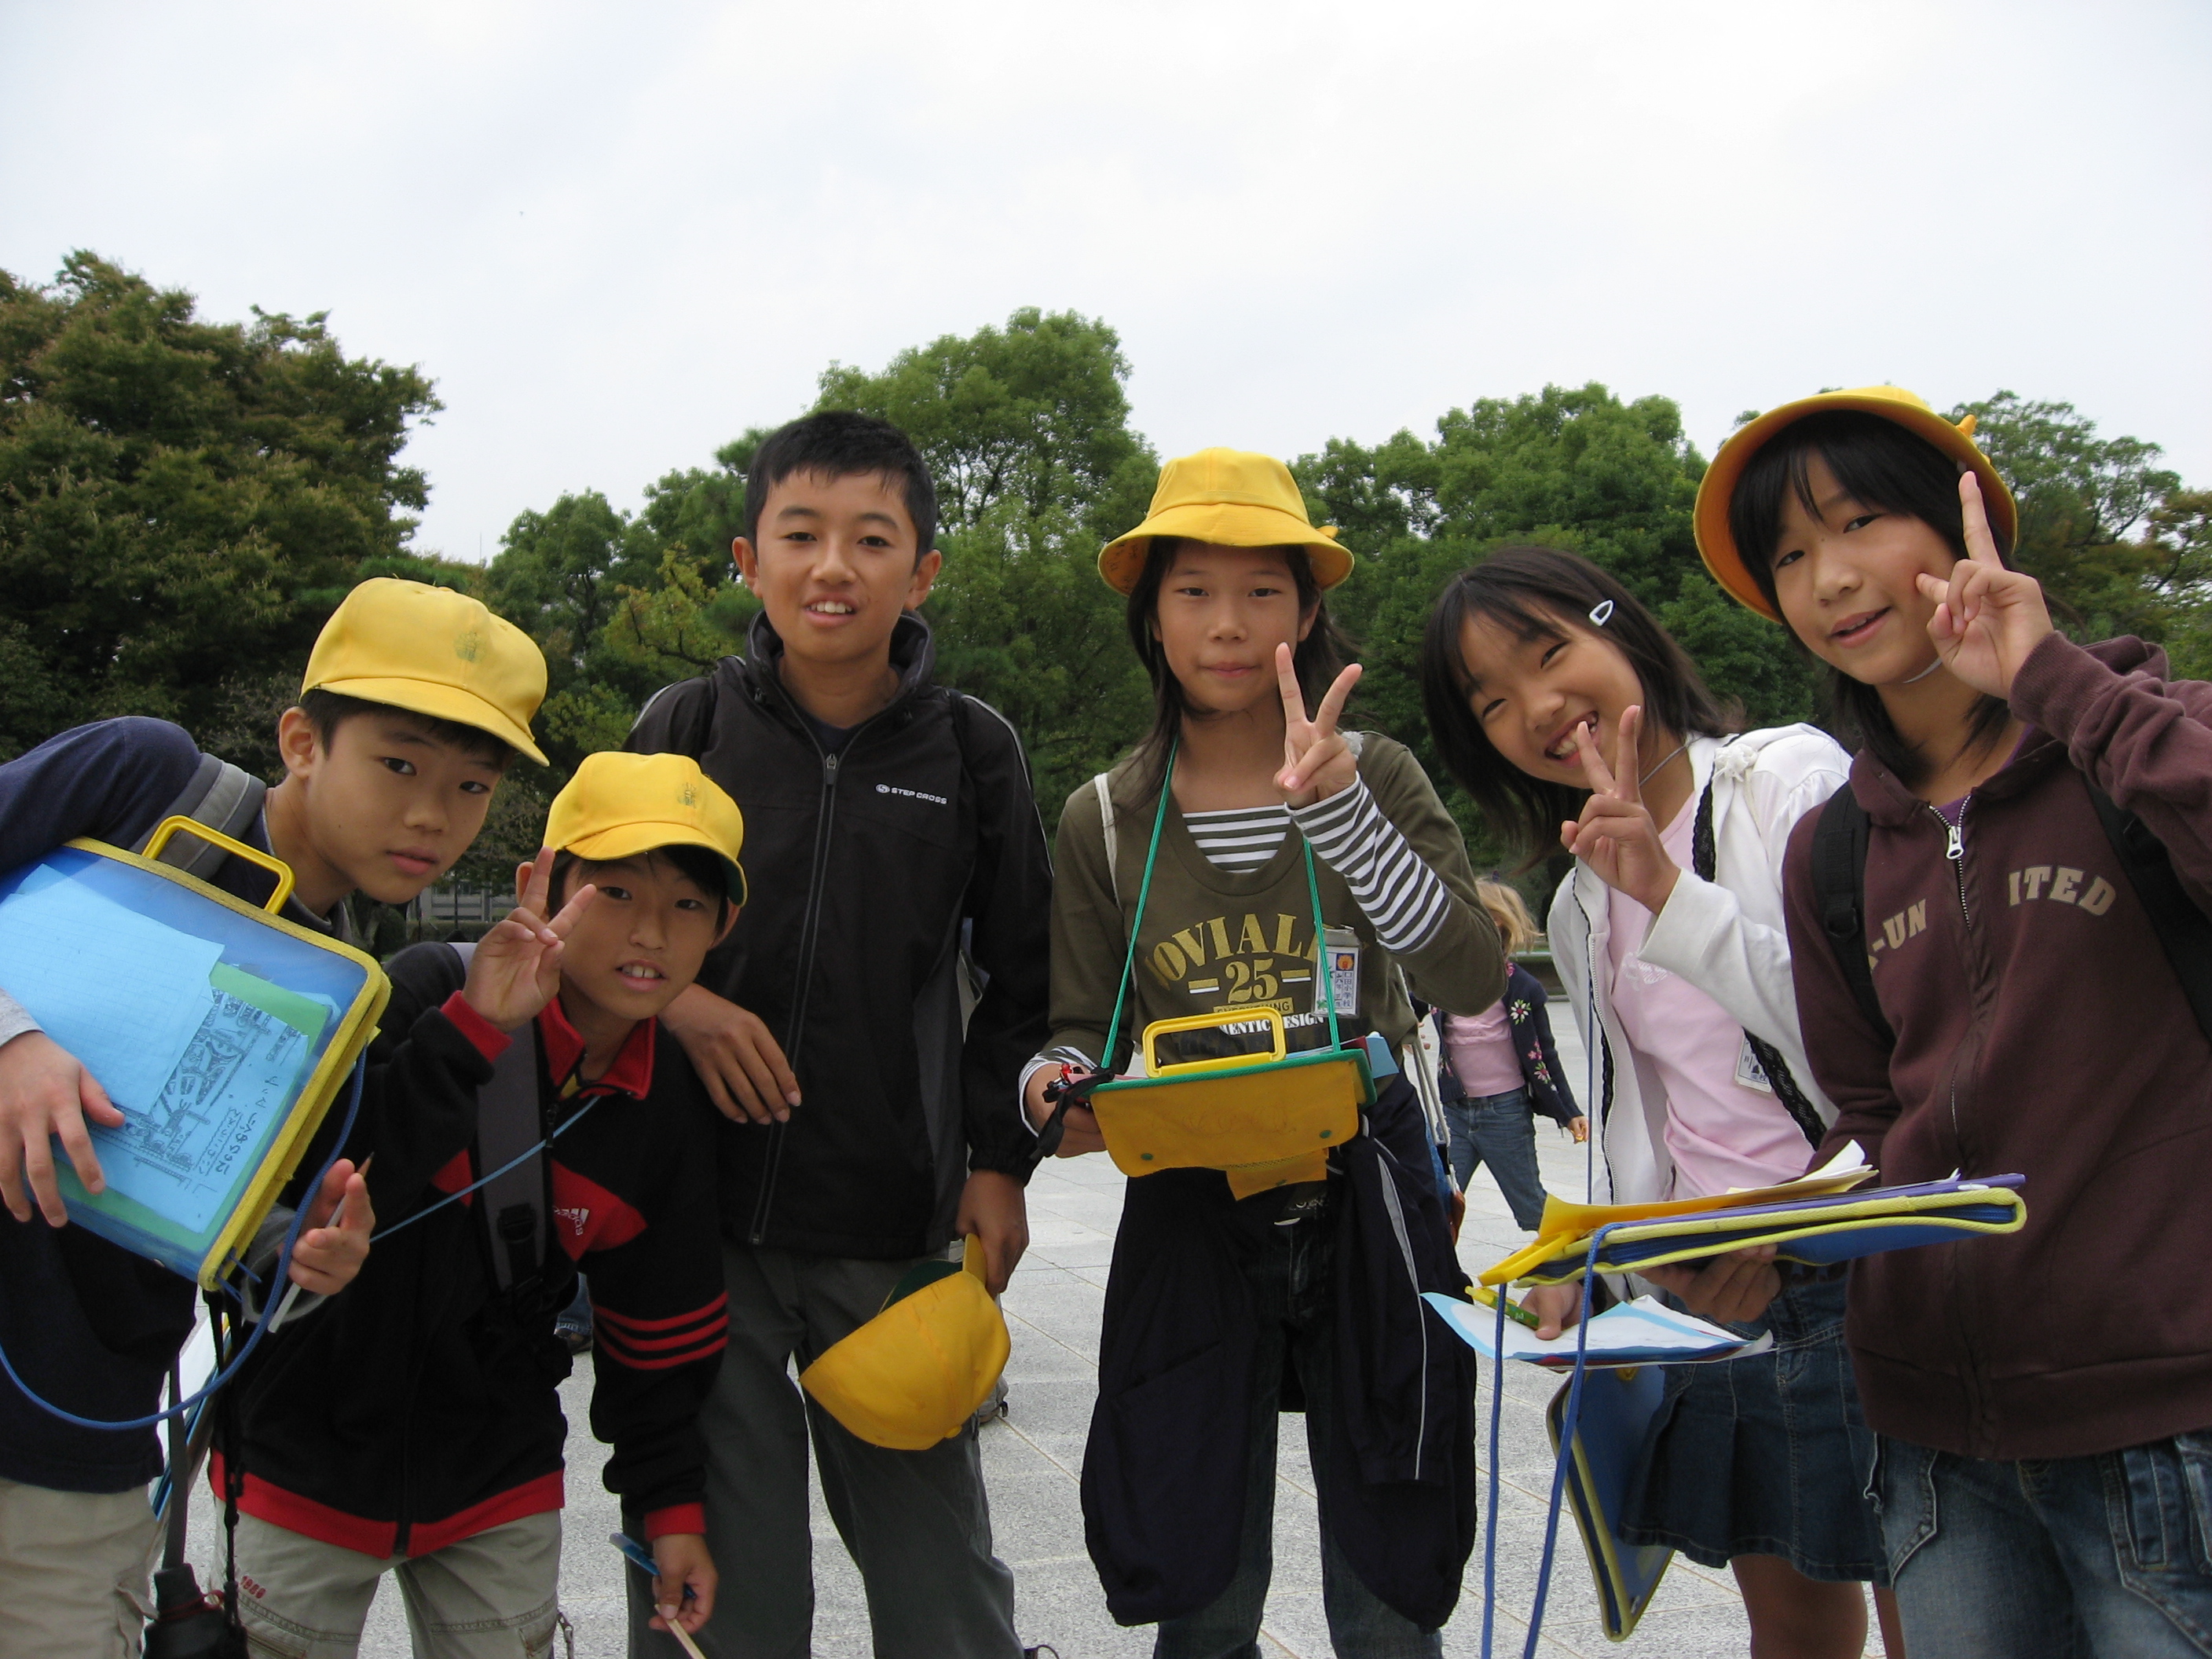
column 415, row 1428
column 893, row 827
column 414, row 701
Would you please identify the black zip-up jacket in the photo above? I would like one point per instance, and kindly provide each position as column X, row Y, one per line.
column 866, row 868
column 421, row 1408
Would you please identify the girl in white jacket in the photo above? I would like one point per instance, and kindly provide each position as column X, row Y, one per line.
column 1565, row 709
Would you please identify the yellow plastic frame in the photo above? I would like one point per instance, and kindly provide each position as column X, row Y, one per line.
column 357, row 1026
column 1214, row 1021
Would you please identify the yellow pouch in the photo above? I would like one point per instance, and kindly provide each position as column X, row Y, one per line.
column 1266, row 1121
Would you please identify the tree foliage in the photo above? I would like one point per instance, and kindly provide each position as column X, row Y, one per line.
column 181, row 501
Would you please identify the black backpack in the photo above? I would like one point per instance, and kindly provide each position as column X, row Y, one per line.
column 1839, row 856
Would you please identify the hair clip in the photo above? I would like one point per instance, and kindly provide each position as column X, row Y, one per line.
column 1601, row 613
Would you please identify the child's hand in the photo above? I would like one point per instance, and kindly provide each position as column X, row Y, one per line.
column 1317, row 762
column 1579, row 1128
column 45, row 1092
column 993, row 1209
column 1730, row 1288
column 1616, row 835
column 735, row 1054
column 684, row 1564
column 1987, row 618
column 1557, row 1307
column 516, row 969
column 335, row 1242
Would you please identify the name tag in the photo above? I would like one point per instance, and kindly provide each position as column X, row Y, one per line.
column 1342, row 946
column 1749, row 1073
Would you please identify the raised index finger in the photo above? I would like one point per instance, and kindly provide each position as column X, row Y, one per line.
column 1286, row 681
column 1981, row 545
column 541, row 883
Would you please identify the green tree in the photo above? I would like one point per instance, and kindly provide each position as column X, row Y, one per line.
column 1025, row 430
column 182, row 502
column 1570, row 467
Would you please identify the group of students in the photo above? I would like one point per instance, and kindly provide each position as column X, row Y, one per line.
column 803, row 992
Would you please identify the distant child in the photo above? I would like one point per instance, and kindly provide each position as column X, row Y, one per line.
column 415, row 702
column 2002, row 1000
column 416, row 1430
column 893, row 834
column 1499, row 1066
column 1223, row 1309
column 1574, row 720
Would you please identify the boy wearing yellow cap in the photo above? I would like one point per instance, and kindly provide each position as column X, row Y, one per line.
column 414, row 701
column 415, row 1428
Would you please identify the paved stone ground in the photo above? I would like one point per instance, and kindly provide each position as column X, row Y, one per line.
column 1032, row 1460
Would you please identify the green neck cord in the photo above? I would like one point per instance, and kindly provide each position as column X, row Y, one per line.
column 1144, row 892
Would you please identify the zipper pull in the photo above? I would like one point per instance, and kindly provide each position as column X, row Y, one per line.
column 829, row 765
column 1954, row 840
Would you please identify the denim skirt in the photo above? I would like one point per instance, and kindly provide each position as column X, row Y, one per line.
column 1767, row 1454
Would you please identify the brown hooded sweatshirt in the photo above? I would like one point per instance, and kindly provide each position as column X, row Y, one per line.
column 2039, row 1029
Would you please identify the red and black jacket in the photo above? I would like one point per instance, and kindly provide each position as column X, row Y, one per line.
column 420, row 1408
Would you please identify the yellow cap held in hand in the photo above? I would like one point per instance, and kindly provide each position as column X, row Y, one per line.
column 915, row 1374
column 433, row 652
column 618, row 806
column 1717, row 543
column 1235, row 499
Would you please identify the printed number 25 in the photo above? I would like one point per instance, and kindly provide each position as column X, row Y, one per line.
column 1249, row 982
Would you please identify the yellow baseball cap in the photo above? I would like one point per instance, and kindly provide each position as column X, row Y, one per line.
column 915, row 1373
column 1716, row 546
column 1232, row 497
column 619, row 804
column 433, row 652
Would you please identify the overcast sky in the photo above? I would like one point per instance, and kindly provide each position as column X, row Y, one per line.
column 618, row 236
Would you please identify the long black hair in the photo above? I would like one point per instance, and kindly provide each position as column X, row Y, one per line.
column 1539, row 593
column 1880, row 464
column 1317, row 660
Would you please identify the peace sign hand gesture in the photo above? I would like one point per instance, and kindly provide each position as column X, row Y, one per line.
column 1317, row 762
column 1987, row 618
column 516, row 969
column 1616, row 835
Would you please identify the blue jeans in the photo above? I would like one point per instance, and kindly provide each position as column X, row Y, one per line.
column 1497, row 1130
column 1291, row 1282
column 2068, row 1558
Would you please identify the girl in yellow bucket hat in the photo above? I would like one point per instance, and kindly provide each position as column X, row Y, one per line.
column 2003, row 959
column 1203, row 879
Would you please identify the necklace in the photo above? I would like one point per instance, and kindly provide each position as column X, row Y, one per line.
column 1661, row 766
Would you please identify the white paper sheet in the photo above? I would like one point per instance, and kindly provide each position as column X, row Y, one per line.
column 1644, row 1332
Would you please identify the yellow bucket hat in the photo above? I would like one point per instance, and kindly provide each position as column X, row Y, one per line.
column 1718, row 547
column 619, row 804
column 1232, row 497
column 915, row 1373
column 433, row 652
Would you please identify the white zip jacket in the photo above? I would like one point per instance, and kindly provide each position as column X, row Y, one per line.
column 1726, row 937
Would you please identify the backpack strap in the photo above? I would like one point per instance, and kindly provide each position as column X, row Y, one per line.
column 1704, row 858
column 1106, row 816
column 2185, row 933
column 1839, row 857
column 224, row 796
column 510, row 1122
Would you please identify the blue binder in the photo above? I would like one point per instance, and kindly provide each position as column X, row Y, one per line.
column 1612, row 1434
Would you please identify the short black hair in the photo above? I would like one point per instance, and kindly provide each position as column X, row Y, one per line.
column 326, row 711
column 837, row 443
column 1317, row 659
column 1891, row 469
column 1535, row 592
column 697, row 865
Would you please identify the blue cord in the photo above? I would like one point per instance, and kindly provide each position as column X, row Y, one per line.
column 260, row 1326
column 1497, row 1418
column 1567, row 1423
column 520, row 1157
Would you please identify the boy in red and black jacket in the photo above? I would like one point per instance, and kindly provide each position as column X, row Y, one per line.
column 419, row 1429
